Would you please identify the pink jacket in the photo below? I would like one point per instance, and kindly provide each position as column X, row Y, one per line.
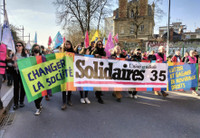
column 2, row 58
column 160, row 58
column 192, row 60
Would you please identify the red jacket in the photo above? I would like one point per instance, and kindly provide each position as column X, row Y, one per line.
column 174, row 59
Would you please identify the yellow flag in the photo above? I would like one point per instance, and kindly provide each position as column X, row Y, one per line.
column 95, row 36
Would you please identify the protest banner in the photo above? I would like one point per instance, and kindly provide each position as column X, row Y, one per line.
column 52, row 72
column 42, row 75
column 182, row 76
column 93, row 72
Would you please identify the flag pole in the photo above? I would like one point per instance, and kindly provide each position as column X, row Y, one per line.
column 168, row 28
column 4, row 7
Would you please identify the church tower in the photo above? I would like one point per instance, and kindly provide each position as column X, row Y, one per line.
column 143, row 6
column 123, row 8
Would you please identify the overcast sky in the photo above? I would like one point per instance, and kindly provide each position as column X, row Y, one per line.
column 39, row 16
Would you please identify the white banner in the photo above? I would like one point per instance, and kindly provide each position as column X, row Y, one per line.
column 95, row 72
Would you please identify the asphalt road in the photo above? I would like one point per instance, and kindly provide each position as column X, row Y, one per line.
column 149, row 116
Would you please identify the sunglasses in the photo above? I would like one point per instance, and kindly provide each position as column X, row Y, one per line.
column 18, row 45
column 100, row 44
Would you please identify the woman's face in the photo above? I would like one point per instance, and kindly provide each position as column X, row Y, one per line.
column 163, row 50
column 37, row 47
column 67, row 45
column 178, row 53
column 118, row 50
column 100, row 45
column 19, row 47
column 193, row 54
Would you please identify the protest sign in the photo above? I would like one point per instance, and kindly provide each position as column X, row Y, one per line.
column 93, row 72
column 39, row 76
column 182, row 76
column 42, row 75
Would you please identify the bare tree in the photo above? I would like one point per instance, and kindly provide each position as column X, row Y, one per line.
column 139, row 20
column 83, row 12
column 159, row 13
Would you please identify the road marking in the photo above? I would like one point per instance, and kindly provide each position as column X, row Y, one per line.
column 151, row 98
column 155, row 105
column 184, row 94
column 6, row 95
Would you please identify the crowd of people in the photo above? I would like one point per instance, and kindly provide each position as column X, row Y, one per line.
column 96, row 49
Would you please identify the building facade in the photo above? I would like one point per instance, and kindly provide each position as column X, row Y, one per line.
column 192, row 35
column 134, row 19
column 177, row 27
column 109, row 25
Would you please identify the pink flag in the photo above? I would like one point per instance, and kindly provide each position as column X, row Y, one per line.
column 64, row 39
column 86, row 40
column 116, row 38
column 50, row 41
column 109, row 45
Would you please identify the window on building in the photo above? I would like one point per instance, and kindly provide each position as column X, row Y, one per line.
column 121, row 29
column 142, row 28
column 132, row 29
column 132, row 13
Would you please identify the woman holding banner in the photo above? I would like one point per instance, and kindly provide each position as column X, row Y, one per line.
column 67, row 47
column 151, row 56
column 98, row 53
column 137, row 56
column 160, row 57
column 117, row 53
column 18, row 86
column 36, row 52
column 84, row 51
column 192, row 60
column 185, row 58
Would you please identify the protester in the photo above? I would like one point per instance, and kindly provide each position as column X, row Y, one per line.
column 2, row 68
column 18, row 86
column 98, row 53
column 185, row 58
column 91, row 47
column 160, row 57
column 27, row 52
column 84, row 51
column 135, row 57
column 36, row 52
column 124, row 53
column 192, row 60
column 144, row 56
column 176, row 57
column 196, row 55
column 151, row 56
column 48, row 51
column 67, row 47
column 78, row 48
column 117, row 53
column 9, row 67
column 42, row 50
